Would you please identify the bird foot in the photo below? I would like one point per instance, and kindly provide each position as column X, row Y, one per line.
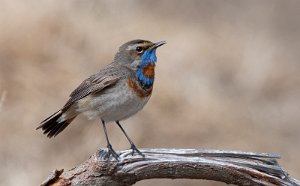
column 134, row 149
column 112, row 152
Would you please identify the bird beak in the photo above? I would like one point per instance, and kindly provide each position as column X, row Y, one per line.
column 158, row 44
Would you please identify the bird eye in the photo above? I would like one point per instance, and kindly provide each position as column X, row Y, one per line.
column 139, row 49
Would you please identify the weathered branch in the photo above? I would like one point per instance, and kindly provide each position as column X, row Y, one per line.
column 234, row 167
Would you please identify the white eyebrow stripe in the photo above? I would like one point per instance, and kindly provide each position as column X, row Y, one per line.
column 130, row 47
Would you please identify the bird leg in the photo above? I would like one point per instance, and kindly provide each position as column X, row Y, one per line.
column 133, row 147
column 111, row 151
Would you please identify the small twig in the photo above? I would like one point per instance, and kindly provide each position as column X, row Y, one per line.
column 53, row 177
column 232, row 167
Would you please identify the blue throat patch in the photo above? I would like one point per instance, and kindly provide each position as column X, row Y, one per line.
column 149, row 57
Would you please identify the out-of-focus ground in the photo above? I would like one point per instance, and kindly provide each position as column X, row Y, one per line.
column 228, row 78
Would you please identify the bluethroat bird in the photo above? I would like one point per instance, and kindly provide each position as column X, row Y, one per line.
column 113, row 94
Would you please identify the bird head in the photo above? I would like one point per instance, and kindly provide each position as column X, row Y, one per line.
column 137, row 53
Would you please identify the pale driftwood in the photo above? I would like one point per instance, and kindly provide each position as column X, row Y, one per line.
column 234, row 167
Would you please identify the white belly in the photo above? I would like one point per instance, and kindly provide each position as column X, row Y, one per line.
column 113, row 104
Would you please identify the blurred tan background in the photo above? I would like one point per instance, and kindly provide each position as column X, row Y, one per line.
column 228, row 78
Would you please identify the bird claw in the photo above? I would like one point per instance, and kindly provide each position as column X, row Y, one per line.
column 134, row 149
column 112, row 152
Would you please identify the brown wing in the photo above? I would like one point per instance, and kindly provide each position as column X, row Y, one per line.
column 93, row 84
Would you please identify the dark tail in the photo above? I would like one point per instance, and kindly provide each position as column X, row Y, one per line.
column 53, row 126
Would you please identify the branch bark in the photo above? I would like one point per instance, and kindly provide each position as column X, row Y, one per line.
column 232, row 167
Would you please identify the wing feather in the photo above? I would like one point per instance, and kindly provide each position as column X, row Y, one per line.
column 95, row 84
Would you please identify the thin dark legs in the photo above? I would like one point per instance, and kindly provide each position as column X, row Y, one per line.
column 111, row 151
column 133, row 147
